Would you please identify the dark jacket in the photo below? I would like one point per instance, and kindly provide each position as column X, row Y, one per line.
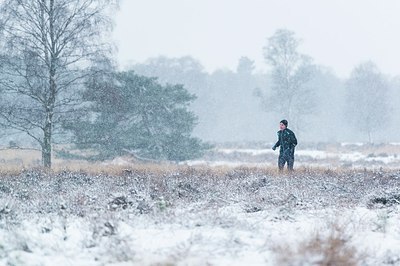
column 286, row 140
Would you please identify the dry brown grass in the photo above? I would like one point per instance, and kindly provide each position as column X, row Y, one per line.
column 109, row 168
column 20, row 157
column 14, row 161
column 335, row 248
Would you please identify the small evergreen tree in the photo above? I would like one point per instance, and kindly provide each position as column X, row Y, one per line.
column 129, row 113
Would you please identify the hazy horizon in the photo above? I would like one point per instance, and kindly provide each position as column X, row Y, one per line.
column 336, row 34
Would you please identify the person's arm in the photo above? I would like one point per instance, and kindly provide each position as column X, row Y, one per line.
column 277, row 144
column 294, row 140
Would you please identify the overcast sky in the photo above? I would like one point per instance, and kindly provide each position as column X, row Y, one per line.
column 336, row 33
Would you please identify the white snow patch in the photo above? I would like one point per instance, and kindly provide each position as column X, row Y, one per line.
column 253, row 152
column 314, row 154
column 359, row 144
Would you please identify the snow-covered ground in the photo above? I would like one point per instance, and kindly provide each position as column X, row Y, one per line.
column 201, row 216
column 227, row 236
column 348, row 155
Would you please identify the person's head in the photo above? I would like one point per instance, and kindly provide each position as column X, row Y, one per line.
column 283, row 124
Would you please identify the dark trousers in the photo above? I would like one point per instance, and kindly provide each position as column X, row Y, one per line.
column 286, row 156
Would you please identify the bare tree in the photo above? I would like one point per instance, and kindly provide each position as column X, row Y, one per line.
column 291, row 71
column 367, row 99
column 48, row 47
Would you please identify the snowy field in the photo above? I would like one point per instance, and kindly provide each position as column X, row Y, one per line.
column 325, row 155
column 177, row 215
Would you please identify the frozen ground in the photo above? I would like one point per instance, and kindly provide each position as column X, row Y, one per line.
column 200, row 216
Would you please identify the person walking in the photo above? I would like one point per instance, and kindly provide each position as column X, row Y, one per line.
column 287, row 142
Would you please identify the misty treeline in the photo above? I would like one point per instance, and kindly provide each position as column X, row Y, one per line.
column 61, row 87
column 246, row 105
